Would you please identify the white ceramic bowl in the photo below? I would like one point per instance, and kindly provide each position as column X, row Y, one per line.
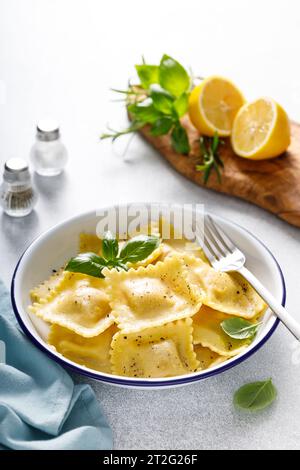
column 57, row 245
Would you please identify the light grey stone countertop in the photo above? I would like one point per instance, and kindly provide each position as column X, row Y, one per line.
column 59, row 58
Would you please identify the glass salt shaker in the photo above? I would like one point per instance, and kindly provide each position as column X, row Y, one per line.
column 48, row 154
column 17, row 196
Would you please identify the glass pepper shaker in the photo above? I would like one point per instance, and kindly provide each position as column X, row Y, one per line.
column 48, row 154
column 17, row 196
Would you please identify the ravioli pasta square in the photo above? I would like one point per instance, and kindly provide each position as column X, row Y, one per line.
column 89, row 242
column 228, row 293
column 79, row 303
column 93, row 353
column 163, row 351
column 152, row 295
column 45, row 288
column 208, row 358
column 208, row 333
column 177, row 243
column 179, row 247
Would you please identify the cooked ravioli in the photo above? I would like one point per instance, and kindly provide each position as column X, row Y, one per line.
column 208, row 358
column 208, row 333
column 161, row 318
column 173, row 242
column 93, row 353
column 171, row 247
column 79, row 303
column 228, row 293
column 89, row 242
column 45, row 288
column 162, row 351
column 152, row 295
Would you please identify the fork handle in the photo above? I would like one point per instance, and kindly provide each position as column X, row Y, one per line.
column 274, row 305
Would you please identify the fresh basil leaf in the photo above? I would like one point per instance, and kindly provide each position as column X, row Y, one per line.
column 162, row 100
column 138, row 248
column 239, row 328
column 144, row 111
column 179, row 139
column 173, row 77
column 255, row 396
column 87, row 263
column 110, row 246
column 162, row 126
column 180, row 105
column 148, row 74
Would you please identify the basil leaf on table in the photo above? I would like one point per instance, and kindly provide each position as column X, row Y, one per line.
column 173, row 77
column 110, row 246
column 180, row 105
column 148, row 74
column 87, row 263
column 179, row 139
column 238, row 328
column 162, row 126
column 255, row 396
column 162, row 100
column 138, row 248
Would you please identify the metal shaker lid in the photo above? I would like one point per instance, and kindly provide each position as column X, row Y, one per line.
column 47, row 130
column 16, row 165
column 16, row 171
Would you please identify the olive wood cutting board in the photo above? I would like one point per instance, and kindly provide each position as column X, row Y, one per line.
column 272, row 184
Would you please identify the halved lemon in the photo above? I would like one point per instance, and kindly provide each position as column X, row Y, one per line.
column 261, row 130
column 213, row 106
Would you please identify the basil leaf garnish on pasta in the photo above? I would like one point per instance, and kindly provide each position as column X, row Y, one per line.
column 136, row 249
column 238, row 328
column 110, row 246
column 87, row 263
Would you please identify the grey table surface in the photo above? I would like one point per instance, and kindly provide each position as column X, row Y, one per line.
column 59, row 58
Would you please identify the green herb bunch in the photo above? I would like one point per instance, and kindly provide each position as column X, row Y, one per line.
column 134, row 250
column 159, row 100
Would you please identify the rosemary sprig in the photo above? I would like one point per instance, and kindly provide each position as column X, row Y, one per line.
column 130, row 91
column 113, row 134
column 211, row 159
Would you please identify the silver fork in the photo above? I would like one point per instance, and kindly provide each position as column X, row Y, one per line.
column 226, row 257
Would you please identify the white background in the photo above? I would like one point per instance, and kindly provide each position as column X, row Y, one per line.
column 59, row 58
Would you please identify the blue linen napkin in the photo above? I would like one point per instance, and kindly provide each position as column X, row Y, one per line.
column 40, row 407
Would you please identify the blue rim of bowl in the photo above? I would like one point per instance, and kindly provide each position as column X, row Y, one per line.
column 142, row 383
